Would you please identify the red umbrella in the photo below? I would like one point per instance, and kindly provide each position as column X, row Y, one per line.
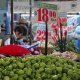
column 13, row 50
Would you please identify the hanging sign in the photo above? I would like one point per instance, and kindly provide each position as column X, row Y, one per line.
column 21, row 5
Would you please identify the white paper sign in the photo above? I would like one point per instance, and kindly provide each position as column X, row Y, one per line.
column 22, row 5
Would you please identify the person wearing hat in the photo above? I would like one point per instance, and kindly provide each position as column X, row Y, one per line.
column 26, row 23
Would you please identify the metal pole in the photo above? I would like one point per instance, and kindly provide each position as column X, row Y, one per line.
column 30, row 3
column 46, row 40
column 61, row 40
column 11, row 17
column 65, row 38
column 30, row 26
column 11, row 38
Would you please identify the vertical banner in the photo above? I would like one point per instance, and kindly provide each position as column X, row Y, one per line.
column 45, row 13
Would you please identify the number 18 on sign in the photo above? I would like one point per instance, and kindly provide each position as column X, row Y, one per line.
column 46, row 15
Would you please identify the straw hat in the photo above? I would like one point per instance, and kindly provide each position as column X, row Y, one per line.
column 22, row 20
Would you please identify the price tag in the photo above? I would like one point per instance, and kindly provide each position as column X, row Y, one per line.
column 46, row 15
column 45, row 12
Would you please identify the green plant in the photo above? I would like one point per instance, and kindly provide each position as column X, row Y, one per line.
column 70, row 45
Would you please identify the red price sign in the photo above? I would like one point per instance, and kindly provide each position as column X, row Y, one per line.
column 41, row 35
column 46, row 15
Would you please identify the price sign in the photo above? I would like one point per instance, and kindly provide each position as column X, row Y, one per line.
column 45, row 12
column 46, row 15
column 63, row 20
column 41, row 35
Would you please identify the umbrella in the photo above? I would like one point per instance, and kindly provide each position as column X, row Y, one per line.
column 14, row 50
